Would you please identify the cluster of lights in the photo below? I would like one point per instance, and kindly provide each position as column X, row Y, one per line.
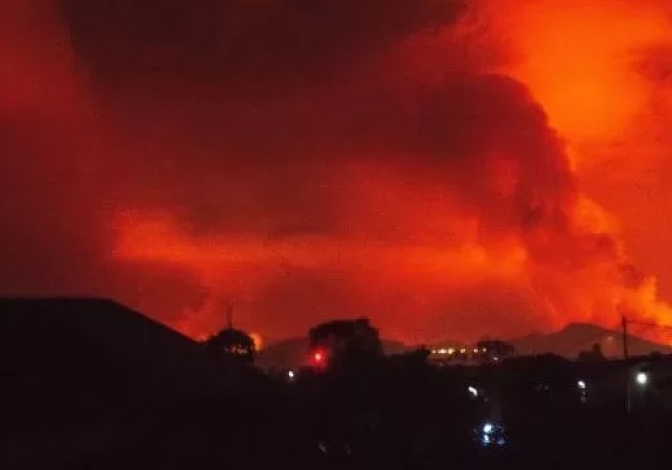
column 444, row 351
column 451, row 351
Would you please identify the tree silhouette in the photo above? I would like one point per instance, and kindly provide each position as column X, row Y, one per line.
column 234, row 344
column 495, row 349
column 340, row 342
column 594, row 355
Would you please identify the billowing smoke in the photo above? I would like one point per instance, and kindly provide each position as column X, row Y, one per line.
column 404, row 159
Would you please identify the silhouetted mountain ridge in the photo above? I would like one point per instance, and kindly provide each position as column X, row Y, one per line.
column 576, row 337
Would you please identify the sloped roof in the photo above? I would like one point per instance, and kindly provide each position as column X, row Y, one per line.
column 85, row 372
column 91, row 333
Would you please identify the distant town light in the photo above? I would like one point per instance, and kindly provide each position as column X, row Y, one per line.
column 642, row 378
column 443, row 351
column 473, row 391
column 462, row 351
column 581, row 384
column 291, row 374
column 488, row 428
column 451, row 351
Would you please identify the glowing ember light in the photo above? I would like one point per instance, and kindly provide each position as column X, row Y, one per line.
column 318, row 357
column 257, row 340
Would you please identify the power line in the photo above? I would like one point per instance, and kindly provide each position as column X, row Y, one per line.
column 650, row 325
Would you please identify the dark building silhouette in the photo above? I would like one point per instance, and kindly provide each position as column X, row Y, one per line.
column 595, row 354
column 83, row 373
column 89, row 335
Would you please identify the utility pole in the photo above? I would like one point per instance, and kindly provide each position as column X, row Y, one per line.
column 628, row 391
column 624, row 324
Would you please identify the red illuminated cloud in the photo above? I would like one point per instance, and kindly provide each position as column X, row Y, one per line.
column 439, row 166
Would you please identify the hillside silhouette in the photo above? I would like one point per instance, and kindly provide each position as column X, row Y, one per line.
column 577, row 337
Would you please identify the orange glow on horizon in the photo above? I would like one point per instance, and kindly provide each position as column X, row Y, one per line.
column 258, row 341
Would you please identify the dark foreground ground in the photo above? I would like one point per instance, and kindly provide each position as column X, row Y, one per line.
column 392, row 418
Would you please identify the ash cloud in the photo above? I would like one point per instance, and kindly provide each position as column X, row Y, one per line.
column 290, row 121
column 266, row 43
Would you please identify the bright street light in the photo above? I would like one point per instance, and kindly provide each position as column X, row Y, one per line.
column 581, row 384
column 642, row 378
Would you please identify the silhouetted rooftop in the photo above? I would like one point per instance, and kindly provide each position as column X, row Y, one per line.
column 89, row 335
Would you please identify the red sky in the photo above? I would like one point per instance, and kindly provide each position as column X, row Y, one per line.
column 450, row 170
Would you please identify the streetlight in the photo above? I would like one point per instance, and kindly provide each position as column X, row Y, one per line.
column 642, row 378
column 491, row 434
